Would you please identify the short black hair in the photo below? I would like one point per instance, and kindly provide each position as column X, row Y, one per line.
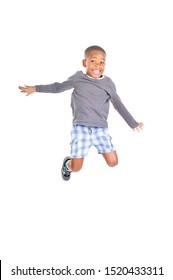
column 93, row 48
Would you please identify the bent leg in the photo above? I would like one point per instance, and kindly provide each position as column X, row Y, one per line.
column 111, row 158
column 75, row 164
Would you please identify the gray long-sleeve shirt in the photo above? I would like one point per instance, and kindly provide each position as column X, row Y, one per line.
column 90, row 99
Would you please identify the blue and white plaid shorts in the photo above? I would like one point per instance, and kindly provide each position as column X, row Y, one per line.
column 83, row 137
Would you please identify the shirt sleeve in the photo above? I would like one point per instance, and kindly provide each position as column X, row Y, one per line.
column 121, row 109
column 56, row 87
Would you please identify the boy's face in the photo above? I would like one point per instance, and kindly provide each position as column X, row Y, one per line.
column 95, row 63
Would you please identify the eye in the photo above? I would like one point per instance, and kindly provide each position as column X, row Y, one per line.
column 102, row 62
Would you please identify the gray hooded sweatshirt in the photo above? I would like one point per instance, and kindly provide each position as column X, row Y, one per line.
column 90, row 99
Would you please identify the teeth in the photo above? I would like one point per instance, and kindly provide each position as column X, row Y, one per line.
column 96, row 72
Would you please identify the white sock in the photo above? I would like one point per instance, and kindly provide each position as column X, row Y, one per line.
column 67, row 165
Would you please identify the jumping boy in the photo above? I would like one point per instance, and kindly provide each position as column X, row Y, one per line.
column 90, row 100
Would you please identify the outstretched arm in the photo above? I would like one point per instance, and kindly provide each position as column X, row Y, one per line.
column 139, row 127
column 28, row 89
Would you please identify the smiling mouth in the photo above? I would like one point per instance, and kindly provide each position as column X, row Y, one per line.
column 96, row 72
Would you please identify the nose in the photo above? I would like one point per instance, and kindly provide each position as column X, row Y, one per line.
column 97, row 64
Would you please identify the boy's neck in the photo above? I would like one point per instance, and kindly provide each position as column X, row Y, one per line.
column 101, row 77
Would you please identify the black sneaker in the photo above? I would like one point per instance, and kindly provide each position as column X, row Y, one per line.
column 64, row 172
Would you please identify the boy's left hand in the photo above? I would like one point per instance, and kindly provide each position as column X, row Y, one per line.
column 139, row 127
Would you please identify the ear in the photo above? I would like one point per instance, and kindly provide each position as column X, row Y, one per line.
column 84, row 62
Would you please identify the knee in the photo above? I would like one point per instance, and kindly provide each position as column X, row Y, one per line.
column 111, row 158
column 113, row 163
column 76, row 166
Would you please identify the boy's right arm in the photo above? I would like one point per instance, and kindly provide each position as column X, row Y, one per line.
column 51, row 88
column 28, row 89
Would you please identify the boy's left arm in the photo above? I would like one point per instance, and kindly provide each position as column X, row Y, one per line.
column 122, row 110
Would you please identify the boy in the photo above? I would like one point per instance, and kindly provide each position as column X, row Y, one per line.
column 90, row 100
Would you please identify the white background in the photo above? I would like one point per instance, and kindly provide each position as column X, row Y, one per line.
column 102, row 216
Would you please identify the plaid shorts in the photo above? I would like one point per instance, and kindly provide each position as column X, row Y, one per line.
column 83, row 137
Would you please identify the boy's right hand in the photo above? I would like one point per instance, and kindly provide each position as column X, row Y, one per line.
column 28, row 89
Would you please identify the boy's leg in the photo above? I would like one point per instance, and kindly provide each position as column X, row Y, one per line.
column 75, row 164
column 111, row 158
column 80, row 144
column 69, row 165
column 103, row 143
